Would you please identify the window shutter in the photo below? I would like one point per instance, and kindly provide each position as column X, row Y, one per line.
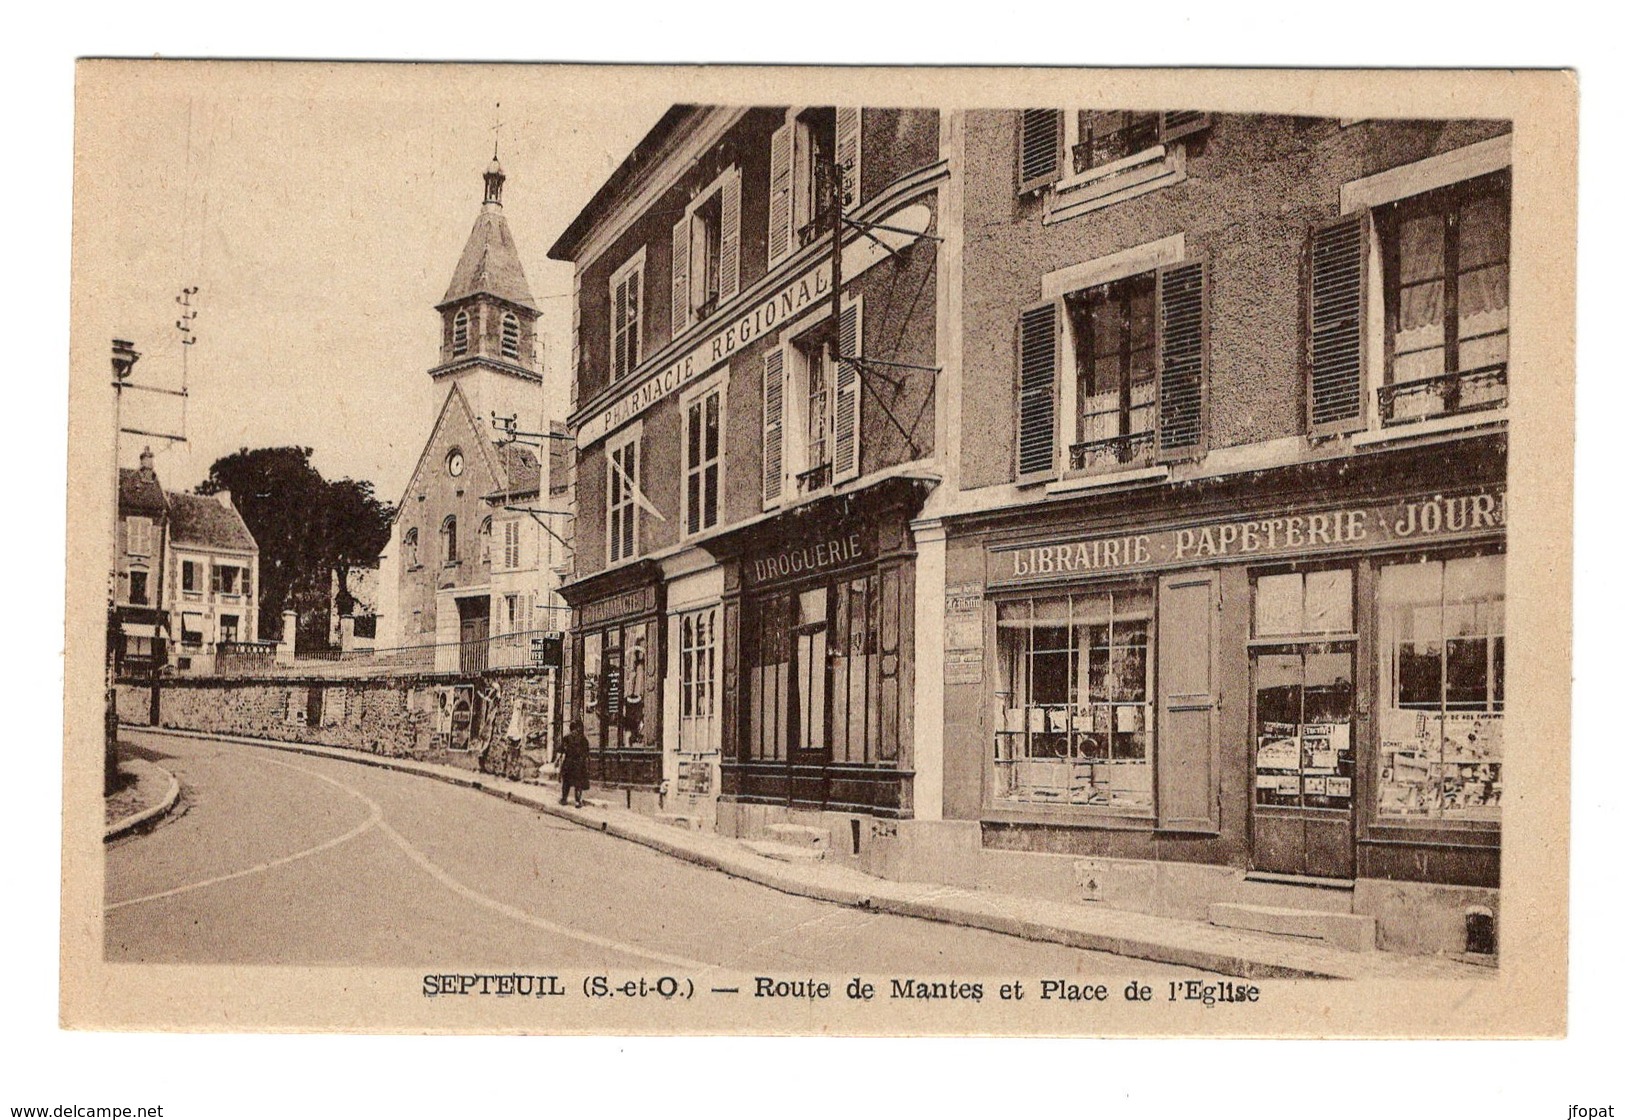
column 1036, row 346
column 1337, row 281
column 728, row 282
column 849, row 154
column 848, row 421
column 1186, row 747
column 1040, row 154
column 1178, row 123
column 1182, row 378
column 772, row 427
column 679, row 276
column 780, row 161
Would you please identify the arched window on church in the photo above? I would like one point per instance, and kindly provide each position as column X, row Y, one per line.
column 409, row 545
column 459, row 334
column 448, row 539
column 510, row 335
column 485, row 543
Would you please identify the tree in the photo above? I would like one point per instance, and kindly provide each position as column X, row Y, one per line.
column 306, row 527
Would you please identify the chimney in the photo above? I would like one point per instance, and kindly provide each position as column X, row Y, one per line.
column 224, row 498
column 146, row 462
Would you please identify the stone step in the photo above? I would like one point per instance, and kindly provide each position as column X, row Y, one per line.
column 799, row 835
column 1297, row 893
column 784, row 853
column 1353, row 932
column 679, row 820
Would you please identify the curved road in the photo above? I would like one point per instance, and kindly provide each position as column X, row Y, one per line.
column 281, row 858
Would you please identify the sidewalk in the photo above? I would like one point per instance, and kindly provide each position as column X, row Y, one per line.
column 1126, row 933
column 146, row 792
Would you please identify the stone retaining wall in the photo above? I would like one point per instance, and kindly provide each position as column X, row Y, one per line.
column 463, row 721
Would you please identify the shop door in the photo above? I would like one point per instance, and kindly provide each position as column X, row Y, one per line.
column 809, row 732
column 1303, row 760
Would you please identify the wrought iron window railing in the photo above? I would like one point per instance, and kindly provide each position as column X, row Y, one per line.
column 1448, row 394
column 814, row 478
column 1113, row 451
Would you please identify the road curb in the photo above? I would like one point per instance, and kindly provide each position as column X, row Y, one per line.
column 877, row 901
column 150, row 814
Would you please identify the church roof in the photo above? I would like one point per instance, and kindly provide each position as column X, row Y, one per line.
column 205, row 522
column 490, row 263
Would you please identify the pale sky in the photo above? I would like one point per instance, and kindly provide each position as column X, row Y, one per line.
column 320, row 210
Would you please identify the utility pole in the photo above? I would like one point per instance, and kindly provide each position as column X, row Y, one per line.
column 124, row 358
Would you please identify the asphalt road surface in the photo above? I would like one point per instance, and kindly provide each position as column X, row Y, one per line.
column 281, row 858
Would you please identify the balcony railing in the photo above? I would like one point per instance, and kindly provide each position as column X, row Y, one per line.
column 1114, row 451
column 1449, row 394
column 814, row 478
column 499, row 652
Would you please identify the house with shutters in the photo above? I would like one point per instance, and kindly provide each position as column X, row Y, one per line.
column 750, row 453
column 212, row 571
column 1125, row 520
column 1224, row 567
column 468, row 576
column 139, row 606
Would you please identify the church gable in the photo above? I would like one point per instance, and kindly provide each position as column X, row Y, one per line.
column 455, row 430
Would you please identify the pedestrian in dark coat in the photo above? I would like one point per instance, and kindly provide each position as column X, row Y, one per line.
column 573, row 753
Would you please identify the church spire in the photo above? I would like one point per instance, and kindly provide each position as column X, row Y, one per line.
column 493, row 174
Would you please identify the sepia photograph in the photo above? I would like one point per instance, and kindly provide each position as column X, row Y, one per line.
column 667, row 551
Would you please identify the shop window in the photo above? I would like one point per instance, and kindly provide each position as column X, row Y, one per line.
column 510, row 336
column 621, row 487
column 138, row 588
column 1438, row 276
column 769, row 648
column 138, row 536
column 802, row 194
column 1128, row 374
column 1075, row 720
column 1442, row 637
column 702, row 460
column 1303, row 689
column 705, row 252
column 697, row 726
column 854, row 671
column 459, row 334
column 626, row 311
column 615, row 668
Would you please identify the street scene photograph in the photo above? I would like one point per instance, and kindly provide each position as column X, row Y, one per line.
column 584, row 552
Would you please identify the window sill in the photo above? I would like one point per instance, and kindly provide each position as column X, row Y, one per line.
column 1127, row 178
column 1399, row 433
column 1138, row 477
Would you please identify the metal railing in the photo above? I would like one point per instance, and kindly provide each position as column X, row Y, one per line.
column 497, row 652
column 1114, row 451
column 1448, row 394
